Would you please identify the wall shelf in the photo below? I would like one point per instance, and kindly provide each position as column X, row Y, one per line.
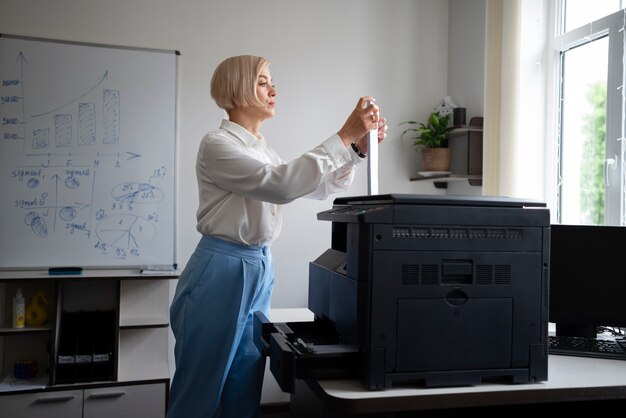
column 461, row 130
column 25, row 330
column 441, row 181
column 473, row 175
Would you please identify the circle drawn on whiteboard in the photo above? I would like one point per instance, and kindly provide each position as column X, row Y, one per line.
column 137, row 193
column 72, row 182
column 67, row 213
column 125, row 231
column 37, row 224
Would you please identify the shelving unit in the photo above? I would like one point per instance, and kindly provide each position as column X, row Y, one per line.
column 474, row 134
column 449, row 178
column 140, row 382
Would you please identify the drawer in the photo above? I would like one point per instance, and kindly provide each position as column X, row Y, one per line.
column 61, row 404
column 304, row 350
column 132, row 401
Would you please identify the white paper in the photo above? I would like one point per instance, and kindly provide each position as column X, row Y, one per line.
column 372, row 162
column 10, row 383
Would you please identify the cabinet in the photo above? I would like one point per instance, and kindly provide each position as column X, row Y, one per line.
column 129, row 401
column 473, row 170
column 129, row 377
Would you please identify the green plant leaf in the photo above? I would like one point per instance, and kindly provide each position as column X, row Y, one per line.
column 432, row 134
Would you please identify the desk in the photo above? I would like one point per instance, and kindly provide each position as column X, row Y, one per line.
column 569, row 379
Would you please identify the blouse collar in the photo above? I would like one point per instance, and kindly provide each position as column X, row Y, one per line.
column 240, row 132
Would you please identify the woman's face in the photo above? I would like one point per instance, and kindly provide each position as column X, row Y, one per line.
column 266, row 92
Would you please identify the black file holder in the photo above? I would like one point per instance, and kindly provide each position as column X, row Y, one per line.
column 86, row 347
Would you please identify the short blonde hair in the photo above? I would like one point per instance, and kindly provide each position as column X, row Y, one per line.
column 234, row 81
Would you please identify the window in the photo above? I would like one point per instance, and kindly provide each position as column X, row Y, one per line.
column 577, row 13
column 590, row 187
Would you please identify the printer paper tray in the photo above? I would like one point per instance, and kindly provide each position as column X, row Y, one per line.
column 299, row 350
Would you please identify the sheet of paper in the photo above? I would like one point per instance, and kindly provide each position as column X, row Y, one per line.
column 10, row 383
column 372, row 162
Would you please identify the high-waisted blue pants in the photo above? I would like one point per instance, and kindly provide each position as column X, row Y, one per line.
column 219, row 371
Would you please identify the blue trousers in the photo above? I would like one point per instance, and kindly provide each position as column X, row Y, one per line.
column 219, row 371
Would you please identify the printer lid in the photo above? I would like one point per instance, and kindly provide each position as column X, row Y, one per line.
column 439, row 200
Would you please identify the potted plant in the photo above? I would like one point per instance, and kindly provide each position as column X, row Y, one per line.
column 431, row 141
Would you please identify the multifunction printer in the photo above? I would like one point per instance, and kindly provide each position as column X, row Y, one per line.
column 422, row 289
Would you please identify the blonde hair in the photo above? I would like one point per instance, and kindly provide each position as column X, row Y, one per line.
column 234, row 81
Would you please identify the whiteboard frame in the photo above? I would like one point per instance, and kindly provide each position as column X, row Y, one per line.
column 101, row 268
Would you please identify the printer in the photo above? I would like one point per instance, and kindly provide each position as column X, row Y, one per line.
column 422, row 289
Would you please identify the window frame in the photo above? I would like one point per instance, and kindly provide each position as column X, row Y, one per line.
column 611, row 26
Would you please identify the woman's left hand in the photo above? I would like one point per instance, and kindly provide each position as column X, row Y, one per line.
column 362, row 143
column 382, row 129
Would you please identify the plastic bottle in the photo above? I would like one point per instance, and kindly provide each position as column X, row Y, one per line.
column 19, row 310
column 36, row 314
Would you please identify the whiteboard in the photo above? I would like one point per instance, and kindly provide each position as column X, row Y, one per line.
column 87, row 155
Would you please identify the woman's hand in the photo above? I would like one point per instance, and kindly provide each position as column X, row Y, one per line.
column 363, row 119
column 363, row 145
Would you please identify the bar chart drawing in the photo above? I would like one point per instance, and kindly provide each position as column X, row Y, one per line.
column 63, row 130
column 86, row 124
column 111, row 112
column 87, row 154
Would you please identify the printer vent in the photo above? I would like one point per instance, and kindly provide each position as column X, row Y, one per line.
column 456, row 232
column 429, row 274
column 426, row 274
column 543, row 340
column 493, row 274
column 502, row 274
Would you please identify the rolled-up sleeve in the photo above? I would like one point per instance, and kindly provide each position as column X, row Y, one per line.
column 341, row 177
column 243, row 183
column 326, row 169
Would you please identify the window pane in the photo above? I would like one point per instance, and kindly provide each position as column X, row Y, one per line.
column 583, row 133
column 581, row 12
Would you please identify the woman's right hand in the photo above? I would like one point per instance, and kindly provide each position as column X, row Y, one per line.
column 363, row 119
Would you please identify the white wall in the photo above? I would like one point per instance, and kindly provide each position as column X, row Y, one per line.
column 466, row 69
column 325, row 54
column 466, row 55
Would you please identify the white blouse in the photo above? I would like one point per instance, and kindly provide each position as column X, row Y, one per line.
column 243, row 182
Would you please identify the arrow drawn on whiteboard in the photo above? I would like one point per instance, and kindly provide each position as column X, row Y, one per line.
column 56, row 179
column 132, row 155
column 100, row 80
column 21, row 58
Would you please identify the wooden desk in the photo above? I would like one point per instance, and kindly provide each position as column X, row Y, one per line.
column 570, row 379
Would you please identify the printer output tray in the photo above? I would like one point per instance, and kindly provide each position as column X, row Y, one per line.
column 300, row 350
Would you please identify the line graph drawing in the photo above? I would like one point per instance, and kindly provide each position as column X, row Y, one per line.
column 69, row 102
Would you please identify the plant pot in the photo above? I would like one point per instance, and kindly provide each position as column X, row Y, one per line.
column 435, row 159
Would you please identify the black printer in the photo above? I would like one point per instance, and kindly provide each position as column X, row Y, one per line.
column 424, row 289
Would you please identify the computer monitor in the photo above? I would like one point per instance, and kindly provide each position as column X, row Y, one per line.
column 587, row 278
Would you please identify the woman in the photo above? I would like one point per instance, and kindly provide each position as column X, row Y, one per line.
column 242, row 185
